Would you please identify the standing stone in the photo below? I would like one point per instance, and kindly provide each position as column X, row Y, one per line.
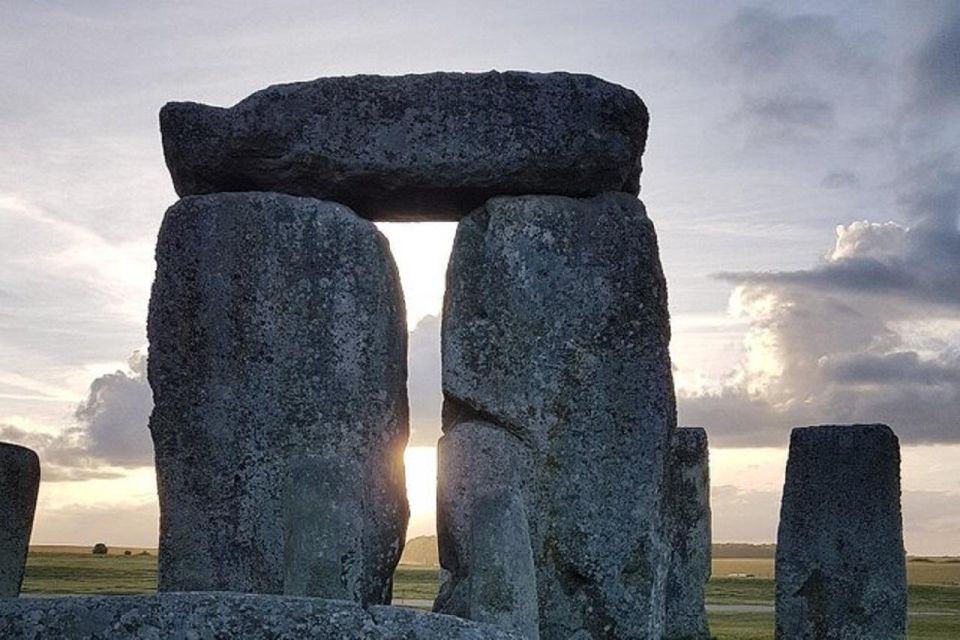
column 488, row 570
column 840, row 565
column 688, row 518
column 19, row 483
column 277, row 331
column 556, row 334
column 432, row 146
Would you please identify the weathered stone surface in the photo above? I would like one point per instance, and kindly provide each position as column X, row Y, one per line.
column 226, row 616
column 277, row 331
column 688, row 518
column 484, row 536
column 431, row 146
column 556, row 332
column 323, row 528
column 840, row 563
column 19, row 483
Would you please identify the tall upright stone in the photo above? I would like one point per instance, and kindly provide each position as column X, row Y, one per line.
column 555, row 346
column 840, row 566
column 688, row 520
column 19, row 484
column 277, row 341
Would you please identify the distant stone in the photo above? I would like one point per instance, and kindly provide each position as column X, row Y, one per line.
column 277, row 332
column 483, row 531
column 688, row 518
column 428, row 147
column 840, row 566
column 19, row 483
column 556, row 333
column 226, row 616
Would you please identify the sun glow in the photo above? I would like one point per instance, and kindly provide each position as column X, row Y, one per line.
column 421, row 470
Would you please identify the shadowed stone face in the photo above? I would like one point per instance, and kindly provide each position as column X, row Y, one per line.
column 430, row 147
column 556, row 333
column 484, row 532
column 226, row 616
column 840, row 564
column 277, row 341
column 688, row 522
column 19, row 483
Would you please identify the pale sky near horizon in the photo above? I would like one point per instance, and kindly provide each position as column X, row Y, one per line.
column 802, row 170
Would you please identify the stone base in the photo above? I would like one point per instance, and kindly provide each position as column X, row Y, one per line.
column 226, row 616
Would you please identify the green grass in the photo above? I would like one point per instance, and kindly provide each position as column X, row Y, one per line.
column 740, row 591
column 741, row 626
column 415, row 583
column 66, row 572
column 759, row 626
column 87, row 573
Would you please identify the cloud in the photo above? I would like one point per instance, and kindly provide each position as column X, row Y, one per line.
column 936, row 65
column 59, row 460
column 795, row 72
column 916, row 264
column 110, row 430
column 840, row 179
column 114, row 416
column 424, row 388
column 871, row 334
column 788, row 113
column 762, row 42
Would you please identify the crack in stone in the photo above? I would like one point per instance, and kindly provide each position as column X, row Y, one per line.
column 457, row 410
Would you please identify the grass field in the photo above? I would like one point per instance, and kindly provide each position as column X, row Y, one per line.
column 934, row 594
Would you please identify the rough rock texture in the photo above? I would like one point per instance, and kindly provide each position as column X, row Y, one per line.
column 226, row 616
column 556, row 332
column 488, row 570
column 840, row 561
column 19, row 483
column 277, row 331
column 323, row 528
column 688, row 518
column 431, row 146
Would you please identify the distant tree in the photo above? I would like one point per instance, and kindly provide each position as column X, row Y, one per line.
column 128, row 552
column 144, row 553
column 100, row 549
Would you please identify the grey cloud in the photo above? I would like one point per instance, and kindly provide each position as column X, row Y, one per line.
column 114, row 416
column 759, row 41
column 424, row 387
column 796, row 72
column 110, row 430
column 936, row 65
column 840, row 179
column 917, row 264
column 901, row 367
column 60, row 460
column 788, row 115
column 838, row 334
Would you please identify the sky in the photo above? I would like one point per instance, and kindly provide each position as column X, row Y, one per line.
column 802, row 171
